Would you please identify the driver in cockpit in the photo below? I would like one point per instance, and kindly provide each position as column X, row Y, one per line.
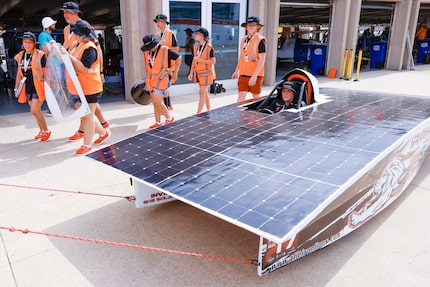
column 287, row 92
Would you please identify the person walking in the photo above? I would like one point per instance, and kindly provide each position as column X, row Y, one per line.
column 29, row 82
column 168, row 39
column 72, row 15
column 250, row 67
column 159, row 74
column 202, row 68
column 86, row 61
column 45, row 36
column 189, row 44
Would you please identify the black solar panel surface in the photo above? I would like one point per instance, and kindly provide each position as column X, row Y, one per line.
column 266, row 173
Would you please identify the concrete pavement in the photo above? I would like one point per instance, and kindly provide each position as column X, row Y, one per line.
column 392, row 249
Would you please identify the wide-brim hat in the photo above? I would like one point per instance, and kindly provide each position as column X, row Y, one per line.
column 149, row 42
column 71, row 7
column 204, row 32
column 253, row 20
column 83, row 28
column 161, row 17
column 30, row 36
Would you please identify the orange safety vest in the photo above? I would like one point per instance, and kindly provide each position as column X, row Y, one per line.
column 166, row 40
column 68, row 38
column 205, row 72
column 38, row 75
column 157, row 76
column 90, row 81
column 249, row 55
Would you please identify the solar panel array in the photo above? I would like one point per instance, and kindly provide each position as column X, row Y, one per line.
column 266, row 173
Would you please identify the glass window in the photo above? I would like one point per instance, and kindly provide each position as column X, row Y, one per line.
column 185, row 17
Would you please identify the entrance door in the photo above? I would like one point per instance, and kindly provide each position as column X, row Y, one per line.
column 222, row 18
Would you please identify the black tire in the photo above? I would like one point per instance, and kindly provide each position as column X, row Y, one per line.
column 139, row 93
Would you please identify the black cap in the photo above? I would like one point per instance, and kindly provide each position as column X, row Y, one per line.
column 83, row 28
column 71, row 7
column 252, row 20
column 149, row 42
column 289, row 85
column 29, row 35
column 161, row 17
column 204, row 32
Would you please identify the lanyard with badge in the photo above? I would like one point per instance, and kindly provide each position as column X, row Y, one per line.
column 245, row 46
column 26, row 61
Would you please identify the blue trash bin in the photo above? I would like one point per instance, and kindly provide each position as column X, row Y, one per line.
column 423, row 47
column 318, row 53
column 377, row 52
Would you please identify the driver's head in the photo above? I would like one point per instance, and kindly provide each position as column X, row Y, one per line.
column 288, row 92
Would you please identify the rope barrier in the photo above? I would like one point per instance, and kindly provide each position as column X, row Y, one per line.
column 135, row 246
column 129, row 198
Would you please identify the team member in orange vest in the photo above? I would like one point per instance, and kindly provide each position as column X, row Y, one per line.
column 162, row 65
column 31, row 65
column 202, row 68
column 250, row 67
column 86, row 61
column 72, row 15
column 168, row 39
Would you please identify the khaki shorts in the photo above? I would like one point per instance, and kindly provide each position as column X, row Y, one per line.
column 243, row 85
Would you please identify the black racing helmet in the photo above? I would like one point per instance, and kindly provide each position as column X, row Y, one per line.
column 139, row 93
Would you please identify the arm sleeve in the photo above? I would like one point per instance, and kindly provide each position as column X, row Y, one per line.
column 262, row 46
column 89, row 57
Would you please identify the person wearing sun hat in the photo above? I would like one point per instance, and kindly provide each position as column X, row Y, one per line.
column 72, row 14
column 202, row 67
column 158, row 74
column 86, row 61
column 29, row 82
column 168, row 38
column 283, row 99
column 250, row 67
column 45, row 36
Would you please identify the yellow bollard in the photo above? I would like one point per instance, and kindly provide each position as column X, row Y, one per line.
column 360, row 56
column 345, row 54
column 350, row 61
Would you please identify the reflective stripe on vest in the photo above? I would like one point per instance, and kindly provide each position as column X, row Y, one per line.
column 37, row 72
column 157, row 76
column 249, row 62
column 90, row 81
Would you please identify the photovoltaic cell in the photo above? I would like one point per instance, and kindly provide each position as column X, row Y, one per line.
column 266, row 173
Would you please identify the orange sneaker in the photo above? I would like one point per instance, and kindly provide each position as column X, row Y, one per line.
column 155, row 125
column 172, row 119
column 45, row 136
column 105, row 125
column 38, row 136
column 77, row 136
column 102, row 138
column 83, row 150
column 170, row 108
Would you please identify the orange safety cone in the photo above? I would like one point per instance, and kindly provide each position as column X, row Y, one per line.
column 332, row 73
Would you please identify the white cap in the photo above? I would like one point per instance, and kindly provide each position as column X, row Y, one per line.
column 47, row 22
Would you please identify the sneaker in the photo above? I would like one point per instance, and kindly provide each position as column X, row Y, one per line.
column 170, row 108
column 77, row 136
column 172, row 119
column 83, row 150
column 105, row 125
column 155, row 125
column 102, row 138
column 45, row 136
column 39, row 136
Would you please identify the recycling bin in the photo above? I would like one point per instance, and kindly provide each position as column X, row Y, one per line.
column 377, row 52
column 318, row 55
column 423, row 47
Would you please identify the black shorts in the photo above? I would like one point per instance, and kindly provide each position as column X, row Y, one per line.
column 91, row 99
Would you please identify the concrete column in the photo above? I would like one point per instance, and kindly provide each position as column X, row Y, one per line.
column 338, row 34
column 353, row 23
column 271, row 32
column 397, row 45
column 268, row 12
column 413, row 21
column 136, row 21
